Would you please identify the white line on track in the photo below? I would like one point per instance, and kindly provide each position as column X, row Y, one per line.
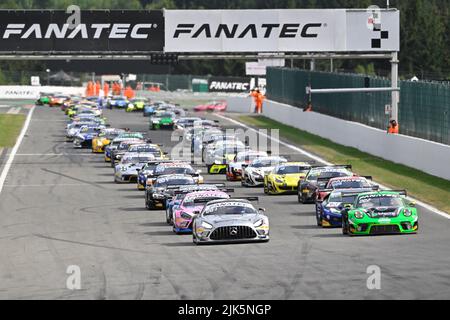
column 14, row 110
column 15, row 149
column 45, row 185
column 318, row 159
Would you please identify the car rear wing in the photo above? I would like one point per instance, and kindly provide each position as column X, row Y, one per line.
column 206, row 200
column 252, row 199
column 400, row 192
column 345, row 166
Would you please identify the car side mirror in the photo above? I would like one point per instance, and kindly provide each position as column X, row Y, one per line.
column 196, row 214
column 138, row 170
column 262, row 209
column 198, row 171
column 376, row 188
column 412, row 204
column 348, row 206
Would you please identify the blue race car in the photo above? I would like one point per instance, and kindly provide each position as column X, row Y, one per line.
column 329, row 210
column 149, row 110
column 84, row 138
column 118, row 102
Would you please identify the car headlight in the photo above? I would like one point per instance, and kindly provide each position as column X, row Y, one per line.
column 186, row 216
column 359, row 215
column 99, row 143
column 334, row 210
column 206, row 225
column 158, row 196
column 123, row 169
column 279, row 180
column 407, row 213
column 259, row 223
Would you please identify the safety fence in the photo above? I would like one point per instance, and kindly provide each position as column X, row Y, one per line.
column 424, row 109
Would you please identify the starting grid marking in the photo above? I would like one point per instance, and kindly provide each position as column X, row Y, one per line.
column 14, row 110
column 323, row 161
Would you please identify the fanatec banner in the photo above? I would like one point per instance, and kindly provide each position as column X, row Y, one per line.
column 329, row 30
column 192, row 31
column 96, row 31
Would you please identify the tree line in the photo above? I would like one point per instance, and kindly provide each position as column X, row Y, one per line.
column 425, row 32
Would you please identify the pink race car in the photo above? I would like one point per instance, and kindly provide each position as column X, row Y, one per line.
column 212, row 106
column 193, row 202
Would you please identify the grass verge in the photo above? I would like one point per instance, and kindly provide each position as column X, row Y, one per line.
column 420, row 185
column 10, row 127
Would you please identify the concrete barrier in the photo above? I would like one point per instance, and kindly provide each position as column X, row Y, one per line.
column 424, row 155
column 33, row 92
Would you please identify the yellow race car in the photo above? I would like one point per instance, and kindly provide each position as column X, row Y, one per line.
column 104, row 139
column 284, row 178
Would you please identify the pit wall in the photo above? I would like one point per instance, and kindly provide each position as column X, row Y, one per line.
column 430, row 157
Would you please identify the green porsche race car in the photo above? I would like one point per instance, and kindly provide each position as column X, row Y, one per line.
column 381, row 212
column 44, row 99
column 162, row 120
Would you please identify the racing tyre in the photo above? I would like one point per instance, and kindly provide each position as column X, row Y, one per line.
column 266, row 190
column 319, row 221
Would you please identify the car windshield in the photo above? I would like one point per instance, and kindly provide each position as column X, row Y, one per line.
column 337, row 198
column 136, row 160
column 175, row 170
column 379, row 201
column 165, row 115
column 316, row 174
column 230, row 208
column 123, row 146
column 291, row 170
column 350, row 184
column 142, row 149
column 162, row 183
column 189, row 202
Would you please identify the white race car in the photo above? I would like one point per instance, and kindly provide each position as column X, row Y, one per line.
column 234, row 169
column 253, row 175
column 127, row 170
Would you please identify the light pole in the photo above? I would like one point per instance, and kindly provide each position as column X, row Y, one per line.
column 48, row 76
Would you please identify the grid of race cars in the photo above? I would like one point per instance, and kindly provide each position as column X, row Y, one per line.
column 209, row 212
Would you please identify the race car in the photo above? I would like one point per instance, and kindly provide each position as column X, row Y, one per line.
column 381, row 212
column 193, row 202
column 285, row 177
column 354, row 182
column 212, row 107
column 44, row 99
column 118, row 102
column 154, row 149
column 147, row 171
column 122, row 148
column 175, row 168
column 104, row 139
column 74, row 128
column 127, row 136
column 162, row 120
column 181, row 191
column 254, row 173
column 230, row 221
column 221, row 154
column 136, row 104
column 329, row 209
column 156, row 194
column 185, row 123
column 234, row 168
column 84, row 138
column 128, row 168
column 317, row 178
column 58, row 100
